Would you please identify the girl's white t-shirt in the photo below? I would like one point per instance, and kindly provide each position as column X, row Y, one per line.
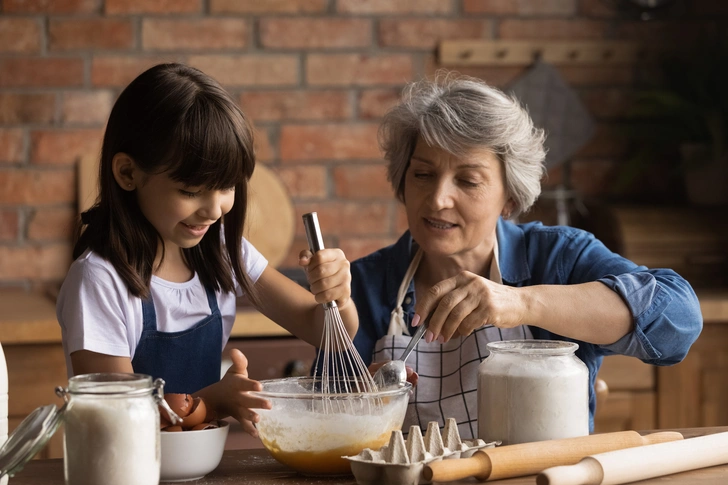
column 97, row 312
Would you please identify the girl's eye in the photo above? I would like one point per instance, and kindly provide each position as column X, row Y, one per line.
column 188, row 194
column 421, row 175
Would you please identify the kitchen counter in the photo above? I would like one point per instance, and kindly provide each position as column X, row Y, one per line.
column 30, row 318
column 257, row 467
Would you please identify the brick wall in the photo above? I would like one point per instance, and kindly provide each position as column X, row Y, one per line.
column 314, row 75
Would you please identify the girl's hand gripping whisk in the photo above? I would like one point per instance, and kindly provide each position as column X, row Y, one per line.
column 327, row 270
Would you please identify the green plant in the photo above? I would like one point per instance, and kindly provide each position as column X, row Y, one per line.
column 688, row 108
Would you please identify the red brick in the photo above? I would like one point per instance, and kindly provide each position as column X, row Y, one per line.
column 153, row 6
column 553, row 29
column 11, row 146
column 355, row 248
column 362, row 182
column 400, row 220
column 499, row 76
column 305, row 181
column 329, row 142
column 593, row 178
column 607, row 142
column 120, row 71
column 51, row 6
column 269, row 6
column 399, row 7
column 95, row 33
column 427, row 33
column 41, row 72
column 521, row 8
column 63, row 147
column 37, row 187
column 596, row 8
column 374, row 103
column 348, row 218
column 20, row 35
column 290, row 33
column 578, row 76
column 48, row 224
column 86, row 107
column 194, row 34
column 358, row 69
column 46, row 262
column 607, row 103
column 16, row 108
column 264, row 151
column 296, row 105
column 9, row 225
column 252, row 70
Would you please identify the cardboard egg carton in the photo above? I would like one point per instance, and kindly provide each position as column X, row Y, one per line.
column 401, row 461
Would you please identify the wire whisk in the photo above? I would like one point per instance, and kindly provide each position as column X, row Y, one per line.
column 339, row 367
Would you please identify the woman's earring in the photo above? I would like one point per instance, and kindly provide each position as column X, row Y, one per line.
column 128, row 185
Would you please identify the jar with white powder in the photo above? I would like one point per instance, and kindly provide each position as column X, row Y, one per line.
column 532, row 390
column 111, row 430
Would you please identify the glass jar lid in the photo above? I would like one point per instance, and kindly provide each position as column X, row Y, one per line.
column 533, row 347
column 29, row 438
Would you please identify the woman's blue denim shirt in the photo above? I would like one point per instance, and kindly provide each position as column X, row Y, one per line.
column 665, row 310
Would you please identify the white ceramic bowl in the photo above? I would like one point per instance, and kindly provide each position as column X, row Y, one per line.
column 190, row 455
column 310, row 431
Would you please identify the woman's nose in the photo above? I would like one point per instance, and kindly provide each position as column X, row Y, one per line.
column 442, row 195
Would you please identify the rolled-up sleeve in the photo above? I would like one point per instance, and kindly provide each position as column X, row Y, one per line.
column 664, row 307
column 666, row 313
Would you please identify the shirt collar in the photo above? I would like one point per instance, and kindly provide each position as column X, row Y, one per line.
column 512, row 247
column 512, row 258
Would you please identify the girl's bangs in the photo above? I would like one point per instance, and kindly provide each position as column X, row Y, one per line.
column 210, row 150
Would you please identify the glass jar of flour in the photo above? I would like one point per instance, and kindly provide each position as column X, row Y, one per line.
column 111, row 430
column 532, row 390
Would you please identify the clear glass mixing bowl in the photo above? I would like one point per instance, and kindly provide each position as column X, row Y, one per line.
column 310, row 431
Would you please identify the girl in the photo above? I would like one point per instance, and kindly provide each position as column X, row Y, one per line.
column 161, row 257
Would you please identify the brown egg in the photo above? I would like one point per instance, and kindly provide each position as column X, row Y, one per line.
column 204, row 426
column 197, row 414
column 181, row 404
column 172, row 429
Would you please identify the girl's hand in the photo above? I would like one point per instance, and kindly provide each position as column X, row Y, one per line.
column 466, row 302
column 328, row 275
column 235, row 400
column 412, row 376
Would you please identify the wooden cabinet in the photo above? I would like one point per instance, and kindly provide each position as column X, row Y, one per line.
column 692, row 393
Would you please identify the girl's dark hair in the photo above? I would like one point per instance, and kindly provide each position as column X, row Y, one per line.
column 172, row 119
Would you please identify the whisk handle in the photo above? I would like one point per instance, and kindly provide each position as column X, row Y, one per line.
column 313, row 232
column 315, row 240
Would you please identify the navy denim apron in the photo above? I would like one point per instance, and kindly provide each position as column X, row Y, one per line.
column 188, row 360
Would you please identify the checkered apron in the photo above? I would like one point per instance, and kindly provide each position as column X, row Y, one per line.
column 448, row 373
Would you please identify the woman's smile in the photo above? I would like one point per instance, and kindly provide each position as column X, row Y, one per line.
column 196, row 231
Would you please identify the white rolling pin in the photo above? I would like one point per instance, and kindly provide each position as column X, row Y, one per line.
column 633, row 464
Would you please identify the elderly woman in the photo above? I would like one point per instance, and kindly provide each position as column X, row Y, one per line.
column 464, row 158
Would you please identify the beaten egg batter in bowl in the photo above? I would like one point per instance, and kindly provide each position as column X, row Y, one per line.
column 310, row 431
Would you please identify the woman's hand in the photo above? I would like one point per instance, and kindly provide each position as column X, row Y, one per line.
column 464, row 303
column 231, row 397
column 328, row 275
column 412, row 376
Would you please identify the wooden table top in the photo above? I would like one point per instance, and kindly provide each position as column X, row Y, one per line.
column 257, row 467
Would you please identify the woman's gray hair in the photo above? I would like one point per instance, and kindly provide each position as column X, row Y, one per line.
column 459, row 114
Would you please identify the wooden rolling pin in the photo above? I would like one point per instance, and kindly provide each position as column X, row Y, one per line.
column 531, row 458
column 624, row 466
